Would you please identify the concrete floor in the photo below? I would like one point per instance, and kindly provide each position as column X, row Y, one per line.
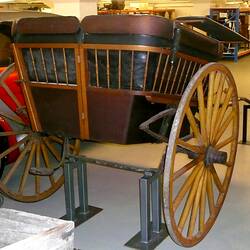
column 117, row 193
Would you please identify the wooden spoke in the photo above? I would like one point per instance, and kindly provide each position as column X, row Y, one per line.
column 217, row 102
column 216, row 179
column 195, row 191
column 46, row 160
column 27, row 168
column 13, row 147
column 60, row 141
column 195, row 207
column 189, row 202
column 8, row 133
column 203, row 204
column 13, row 118
column 37, row 164
column 11, row 94
column 223, row 128
column 52, row 149
column 16, row 164
column 222, row 110
column 210, row 102
column 210, row 193
column 193, row 125
column 187, row 167
column 188, row 146
column 202, row 112
column 224, row 143
column 184, row 189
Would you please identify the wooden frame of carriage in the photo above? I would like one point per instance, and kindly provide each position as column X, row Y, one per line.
column 100, row 80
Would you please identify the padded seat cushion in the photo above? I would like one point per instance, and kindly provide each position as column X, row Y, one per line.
column 143, row 156
column 48, row 30
column 129, row 24
column 128, row 30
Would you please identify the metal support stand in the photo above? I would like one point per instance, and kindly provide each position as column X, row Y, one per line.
column 84, row 211
column 244, row 128
column 1, row 200
column 152, row 232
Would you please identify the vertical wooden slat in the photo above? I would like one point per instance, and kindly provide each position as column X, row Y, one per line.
column 96, row 68
column 145, row 72
column 185, row 81
column 164, row 72
column 54, row 64
column 33, row 64
column 169, row 77
column 132, row 70
column 119, row 69
column 175, row 76
column 65, row 66
column 108, row 68
column 194, row 71
column 44, row 66
column 157, row 71
column 182, row 72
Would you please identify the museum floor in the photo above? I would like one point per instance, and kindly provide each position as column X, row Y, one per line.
column 116, row 192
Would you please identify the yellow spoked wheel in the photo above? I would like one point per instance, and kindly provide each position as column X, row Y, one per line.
column 23, row 152
column 199, row 165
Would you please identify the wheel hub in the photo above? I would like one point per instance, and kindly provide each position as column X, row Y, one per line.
column 213, row 155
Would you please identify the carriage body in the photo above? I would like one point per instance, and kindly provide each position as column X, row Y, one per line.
column 108, row 79
column 101, row 79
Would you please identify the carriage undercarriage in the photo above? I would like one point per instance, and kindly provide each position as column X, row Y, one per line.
column 192, row 116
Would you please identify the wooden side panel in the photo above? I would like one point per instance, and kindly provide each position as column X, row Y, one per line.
column 35, row 124
column 55, row 97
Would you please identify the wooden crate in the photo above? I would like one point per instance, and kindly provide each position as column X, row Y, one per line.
column 26, row 231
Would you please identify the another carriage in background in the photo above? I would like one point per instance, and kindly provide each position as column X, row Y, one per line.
column 102, row 79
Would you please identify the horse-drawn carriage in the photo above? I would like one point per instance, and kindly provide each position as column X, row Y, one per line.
column 123, row 85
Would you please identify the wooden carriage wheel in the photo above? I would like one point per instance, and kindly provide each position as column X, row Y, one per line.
column 21, row 150
column 199, row 165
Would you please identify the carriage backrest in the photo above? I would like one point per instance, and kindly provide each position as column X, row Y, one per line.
column 47, row 50
column 144, row 68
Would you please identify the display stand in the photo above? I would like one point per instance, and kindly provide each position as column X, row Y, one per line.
column 232, row 20
column 84, row 212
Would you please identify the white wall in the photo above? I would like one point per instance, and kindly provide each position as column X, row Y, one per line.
column 78, row 8
column 88, row 7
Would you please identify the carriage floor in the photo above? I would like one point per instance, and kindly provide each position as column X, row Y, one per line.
column 116, row 191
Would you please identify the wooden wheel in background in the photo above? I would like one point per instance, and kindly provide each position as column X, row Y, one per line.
column 21, row 149
column 198, row 167
column 25, row 150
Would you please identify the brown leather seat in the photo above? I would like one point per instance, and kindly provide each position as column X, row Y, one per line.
column 58, row 29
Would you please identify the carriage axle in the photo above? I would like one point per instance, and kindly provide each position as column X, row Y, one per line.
column 213, row 155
